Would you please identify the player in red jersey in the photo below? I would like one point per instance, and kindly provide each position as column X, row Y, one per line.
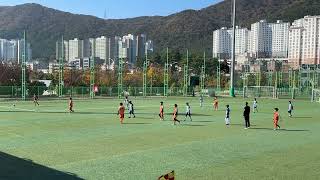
column 276, row 119
column 121, row 110
column 161, row 113
column 175, row 115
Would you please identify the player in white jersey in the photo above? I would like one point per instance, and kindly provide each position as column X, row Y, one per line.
column 255, row 105
column 227, row 119
column 290, row 109
column 188, row 112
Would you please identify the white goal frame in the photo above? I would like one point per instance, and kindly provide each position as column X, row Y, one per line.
column 260, row 90
column 314, row 95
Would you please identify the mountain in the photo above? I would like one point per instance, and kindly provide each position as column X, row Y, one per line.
column 188, row 29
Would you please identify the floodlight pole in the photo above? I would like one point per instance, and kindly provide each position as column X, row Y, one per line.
column 92, row 69
column 145, row 69
column 120, row 78
column 166, row 76
column 232, row 94
column 61, row 66
column 23, row 67
column 186, row 76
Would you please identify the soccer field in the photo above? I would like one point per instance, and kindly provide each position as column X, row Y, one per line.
column 49, row 143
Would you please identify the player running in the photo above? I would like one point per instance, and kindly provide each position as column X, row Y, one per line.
column 227, row 119
column 175, row 115
column 131, row 110
column 255, row 105
column 126, row 101
column 121, row 110
column 290, row 109
column 35, row 100
column 188, row 112
column 71, row 105
column 276, row 119
column 161, row 113
column 216, row 104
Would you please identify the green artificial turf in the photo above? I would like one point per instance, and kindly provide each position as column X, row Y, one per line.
column 91, row 143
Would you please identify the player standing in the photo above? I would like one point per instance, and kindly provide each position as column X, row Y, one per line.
column 188, row 112
column 215, row 104
column 161, row 113
column 276, row 119
column 255, row 105
column 121, row 110
column 290, row 109
column 131, row 110
column 227, row 119
column 246, row 115
column 71, row 105
column 175, row 115
column 35, row 100
column 201, row 100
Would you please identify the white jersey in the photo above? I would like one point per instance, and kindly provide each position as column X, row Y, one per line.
column 188, row 109
column 130, row 106
column 255, row 104
column 228, row 113
column 290, row 107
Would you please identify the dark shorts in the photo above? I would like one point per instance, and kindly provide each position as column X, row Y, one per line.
column 247, row 118
column 290, row 111
column 121, row 116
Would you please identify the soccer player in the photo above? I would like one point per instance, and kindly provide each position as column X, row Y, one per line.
column 175, row 115
column 216, row 104
column 255, row 105
column 126, row 101
column 131, row 110
column 71, row 105
column 246, row 115
column 290, row 109
column 121, row 110
column 35, row 100
column 276, row 119
column 161, row 113
column 188, row 112
column 227, row 119
column 201, row 100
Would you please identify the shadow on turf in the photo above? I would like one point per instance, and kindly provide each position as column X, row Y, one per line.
column 135, row 123
column 241, row 125
column 194, row 125
column 302, row 117
column 293, row 130
column 12, row 168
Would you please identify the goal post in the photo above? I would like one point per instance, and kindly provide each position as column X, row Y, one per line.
column 260, row 91
column 315, row 96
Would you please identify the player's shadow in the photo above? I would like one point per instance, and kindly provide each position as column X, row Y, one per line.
column 300, row 117
column 242, row 125
column 201, row 115
column 13, row 168
column 205, row 121
column 293, row 130
column 193, row 125
column 136, row 123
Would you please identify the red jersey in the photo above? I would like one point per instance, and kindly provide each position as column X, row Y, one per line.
column 161, row 109
column 276, row 116
column 215, row 102
column 175, row 111
column 121, row 109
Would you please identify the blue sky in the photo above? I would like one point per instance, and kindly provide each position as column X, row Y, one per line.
column 118, row 9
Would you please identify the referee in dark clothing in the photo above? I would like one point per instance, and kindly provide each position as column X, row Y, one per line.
column 246, row 115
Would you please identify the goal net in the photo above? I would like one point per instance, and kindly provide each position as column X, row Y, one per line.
column 315, row 96
column 260, row 91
